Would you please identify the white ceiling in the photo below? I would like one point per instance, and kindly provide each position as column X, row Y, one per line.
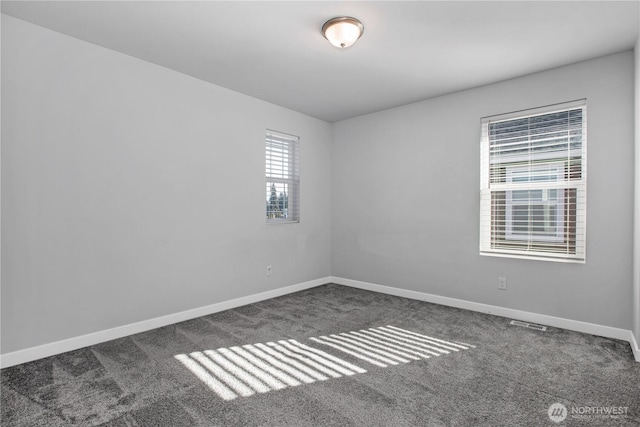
column 410, row 51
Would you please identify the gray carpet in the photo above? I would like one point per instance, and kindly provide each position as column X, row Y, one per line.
column 288, row 362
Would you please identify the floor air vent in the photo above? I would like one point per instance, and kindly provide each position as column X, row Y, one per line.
column 528, row 325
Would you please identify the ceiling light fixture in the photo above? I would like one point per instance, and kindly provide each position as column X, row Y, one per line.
column 342, row 31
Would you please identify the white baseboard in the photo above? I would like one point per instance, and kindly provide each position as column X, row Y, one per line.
column 51, row 349
column 558, row 322
column 635, row 347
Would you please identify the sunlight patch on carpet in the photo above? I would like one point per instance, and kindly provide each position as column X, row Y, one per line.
column 259, row 368
column 243, row 371
column 389, row 345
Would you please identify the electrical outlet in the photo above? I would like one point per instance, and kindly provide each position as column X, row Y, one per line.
column 269, row 270
column 502, row 283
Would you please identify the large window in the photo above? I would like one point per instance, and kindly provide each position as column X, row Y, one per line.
column 533, row 183
column 282, row 177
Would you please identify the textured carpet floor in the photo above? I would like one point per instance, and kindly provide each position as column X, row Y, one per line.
column 500, row 375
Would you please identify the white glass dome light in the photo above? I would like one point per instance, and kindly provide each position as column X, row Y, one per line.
column 342, row 31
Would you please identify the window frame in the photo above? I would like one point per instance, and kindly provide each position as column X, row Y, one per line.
column 282, row 169
column 493, row 186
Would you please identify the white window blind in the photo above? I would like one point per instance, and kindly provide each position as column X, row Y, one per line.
column 533, row 183
column 282, row 177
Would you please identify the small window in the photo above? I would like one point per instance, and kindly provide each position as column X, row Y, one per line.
column 533, row 183
column 282, row 177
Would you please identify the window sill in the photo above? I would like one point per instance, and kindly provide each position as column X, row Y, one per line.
column 569, row 259
column 284, row 221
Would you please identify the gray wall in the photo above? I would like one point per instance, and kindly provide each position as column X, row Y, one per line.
column 130, row 191
column 406, row 197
